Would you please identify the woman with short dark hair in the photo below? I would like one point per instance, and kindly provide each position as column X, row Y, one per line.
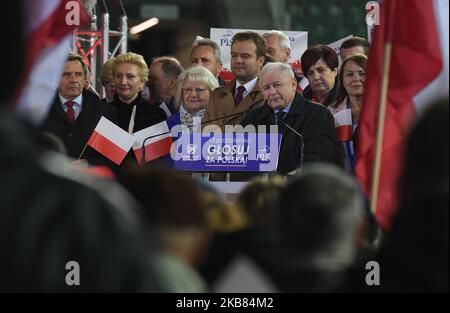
column 320, row 66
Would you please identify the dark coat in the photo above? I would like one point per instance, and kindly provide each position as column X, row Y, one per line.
column 76, row 135
column 146, row 114
column 331, row 98
column 51, row 217
column 313, row 121
column 221, row 104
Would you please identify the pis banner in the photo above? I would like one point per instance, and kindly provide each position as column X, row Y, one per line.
column 223, row 36
column 227, row 152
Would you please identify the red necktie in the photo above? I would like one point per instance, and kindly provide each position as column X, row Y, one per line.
column 239, row 95
column 70, row 111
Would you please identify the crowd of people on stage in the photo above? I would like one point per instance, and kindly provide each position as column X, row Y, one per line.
column 152, row 229
column 265, row 91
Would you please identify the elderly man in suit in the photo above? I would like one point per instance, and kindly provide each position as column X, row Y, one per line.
column 248, row 50
column 300, row 121
column 74, row 114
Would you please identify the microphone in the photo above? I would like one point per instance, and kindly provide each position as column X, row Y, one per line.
column 302, row 141
column 202, row 123
column 143, row 145
column 227, row 116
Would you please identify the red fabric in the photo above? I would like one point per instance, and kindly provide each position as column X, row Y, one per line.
column 51, row 31
column 155, row 150
column 344, row 133
column 226, row 75
column 416, row 60
column 100, row 171
column 107, row 148
column 70, row 111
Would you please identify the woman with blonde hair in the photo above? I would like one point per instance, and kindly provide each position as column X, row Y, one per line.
column 130, row 73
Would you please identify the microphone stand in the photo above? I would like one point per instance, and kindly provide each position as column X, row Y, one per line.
column 202, row 123
column 302, row 141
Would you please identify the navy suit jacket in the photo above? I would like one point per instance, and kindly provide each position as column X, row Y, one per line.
column 76, row 135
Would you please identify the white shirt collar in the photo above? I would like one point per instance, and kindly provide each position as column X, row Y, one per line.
column 78, row 100
column 286, row 109
column 248, row 86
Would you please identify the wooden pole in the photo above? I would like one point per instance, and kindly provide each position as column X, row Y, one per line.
column 380, row 126
column 82, row 151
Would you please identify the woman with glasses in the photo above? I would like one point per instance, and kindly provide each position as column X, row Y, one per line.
column 194, row 88
column 347, row 107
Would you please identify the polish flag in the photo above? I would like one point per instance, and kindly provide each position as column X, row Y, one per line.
column 343, row 124
column 157, row 142
column 409, row 62
column 111, row 140
column 48, row 31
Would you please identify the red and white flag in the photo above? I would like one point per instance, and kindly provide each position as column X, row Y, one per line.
column 111, row 140
column 49, row 25
column 155, row 147
column 343, row 124
column 417, row 32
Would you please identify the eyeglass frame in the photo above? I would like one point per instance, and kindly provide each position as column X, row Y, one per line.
column 198, row 91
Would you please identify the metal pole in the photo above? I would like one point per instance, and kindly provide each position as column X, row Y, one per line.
column 105, row 46
column 124, row 31
column 105, row 39
column 74, row 41
column 93, row 60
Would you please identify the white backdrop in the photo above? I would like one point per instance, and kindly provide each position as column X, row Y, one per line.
column 223, row 36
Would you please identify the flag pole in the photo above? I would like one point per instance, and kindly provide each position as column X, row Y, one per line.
column 380, row 126
column 85, row 146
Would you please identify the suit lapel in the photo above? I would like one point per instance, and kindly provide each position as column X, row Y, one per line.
column 295, row 114
column 253, row 98
column 57, row 106
column 226, row 100
column 85, row 107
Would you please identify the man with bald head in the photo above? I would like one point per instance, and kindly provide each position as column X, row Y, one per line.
column 162, row 81
column 286, row 108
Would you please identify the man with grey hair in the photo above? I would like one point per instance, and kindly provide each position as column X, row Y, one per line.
column 322, row 221
column 206, row 52
column 162, row 81
column 278, row 45
column 308, row 132
column 74, row 114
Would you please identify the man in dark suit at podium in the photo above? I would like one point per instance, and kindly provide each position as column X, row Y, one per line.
column 300, row 121
column 74, row 114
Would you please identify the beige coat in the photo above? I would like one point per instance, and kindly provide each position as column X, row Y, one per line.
column 221, row 103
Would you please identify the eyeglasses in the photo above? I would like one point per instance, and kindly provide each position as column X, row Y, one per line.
column 190, row 90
